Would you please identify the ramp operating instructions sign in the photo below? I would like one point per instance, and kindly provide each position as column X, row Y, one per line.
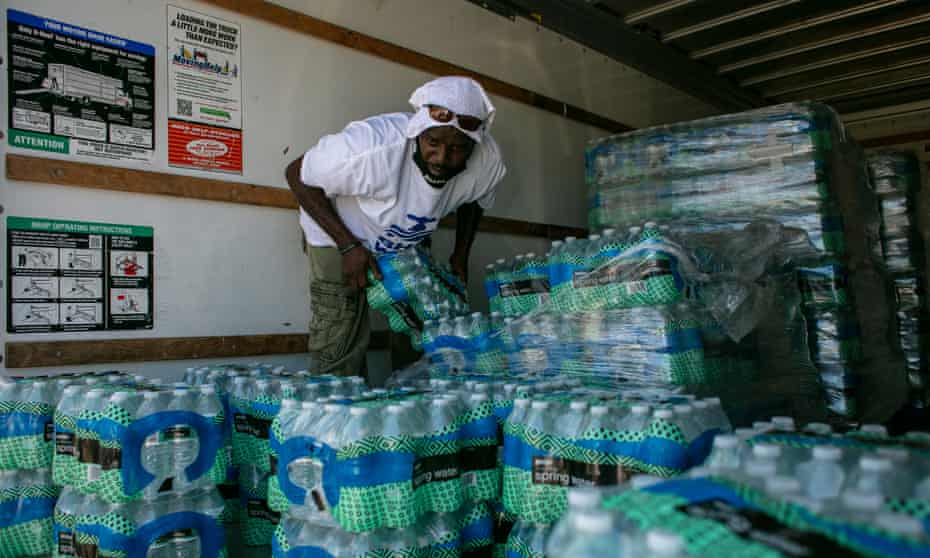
column 76, row 276
column 79, row 92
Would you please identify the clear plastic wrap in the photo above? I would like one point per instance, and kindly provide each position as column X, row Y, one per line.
column 895, row 177
column 792, row 164
column 912, row 325
column 776, row 163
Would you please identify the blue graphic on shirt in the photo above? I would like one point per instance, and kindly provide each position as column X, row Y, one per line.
column 396, row 238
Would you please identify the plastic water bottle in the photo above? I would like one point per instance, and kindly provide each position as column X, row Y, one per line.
column 685, row 419
column 182, row 438
column 785, row 424
column 763, row 464
column 663, row 544
column 861, row 506
column 580, row 501
column 715, row 410
column 822, row 477
column 64, row 461
column 155, row 457
column 877, row 474
column 818, row 428
column 726, row 456
column 593, row 538
column 69, row 505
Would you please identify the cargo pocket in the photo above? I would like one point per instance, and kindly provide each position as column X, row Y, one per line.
column 334, row 318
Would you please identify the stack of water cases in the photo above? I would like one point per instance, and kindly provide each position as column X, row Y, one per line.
column 791, row 164
column 137, row 465
column 251, row 397
column 27, row 493
column 643, row 305
column 895, row 176
column 773, row 491
column 407, row 472
column 414, row 289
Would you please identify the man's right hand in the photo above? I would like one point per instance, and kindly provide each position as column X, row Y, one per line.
column 355, row 266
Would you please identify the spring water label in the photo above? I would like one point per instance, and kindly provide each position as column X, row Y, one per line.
column 436, row 468
column 763, row 529
column 251, row 426
column 622, row 272
column 556, row 471
column 406, row 313
column 258, row 509
column 66, row 543
column 49, row 431
column 64, row 444
column 523, row 287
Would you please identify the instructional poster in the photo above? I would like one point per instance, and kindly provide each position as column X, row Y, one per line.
column 79, row 92
column 76, row 276
column 204, row 92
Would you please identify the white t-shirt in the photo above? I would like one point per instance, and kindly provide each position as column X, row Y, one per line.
column 379, row 192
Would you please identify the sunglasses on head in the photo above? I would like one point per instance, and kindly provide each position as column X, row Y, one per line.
column 445, row 116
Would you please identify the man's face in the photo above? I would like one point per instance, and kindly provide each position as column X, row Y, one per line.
column 445, row 150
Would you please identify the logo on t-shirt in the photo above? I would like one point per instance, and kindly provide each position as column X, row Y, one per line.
column 396, row 238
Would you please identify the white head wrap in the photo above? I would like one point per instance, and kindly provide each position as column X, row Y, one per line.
column 461, row 95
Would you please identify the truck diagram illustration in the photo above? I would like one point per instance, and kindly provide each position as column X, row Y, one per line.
column 77, row 84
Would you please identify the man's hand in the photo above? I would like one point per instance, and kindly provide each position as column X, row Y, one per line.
column 355, row 265
column 459, row 264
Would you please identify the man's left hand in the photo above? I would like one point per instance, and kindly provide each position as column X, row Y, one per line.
column 459, row 264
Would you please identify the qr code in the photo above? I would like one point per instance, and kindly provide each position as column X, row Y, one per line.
column 95, row 242
column 185, row 108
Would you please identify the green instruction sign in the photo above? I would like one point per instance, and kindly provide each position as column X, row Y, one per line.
column 78, row 276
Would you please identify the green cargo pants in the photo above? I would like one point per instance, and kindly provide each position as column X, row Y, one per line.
column 339, row 327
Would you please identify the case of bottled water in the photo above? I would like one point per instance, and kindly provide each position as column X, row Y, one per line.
column 170, row 525
column 27, row 502
column 124, row 442
column 27, row 406
column 414, row 289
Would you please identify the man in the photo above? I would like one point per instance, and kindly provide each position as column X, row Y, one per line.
column 382, row 185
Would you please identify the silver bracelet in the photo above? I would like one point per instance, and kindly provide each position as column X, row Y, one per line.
column 348, row 248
